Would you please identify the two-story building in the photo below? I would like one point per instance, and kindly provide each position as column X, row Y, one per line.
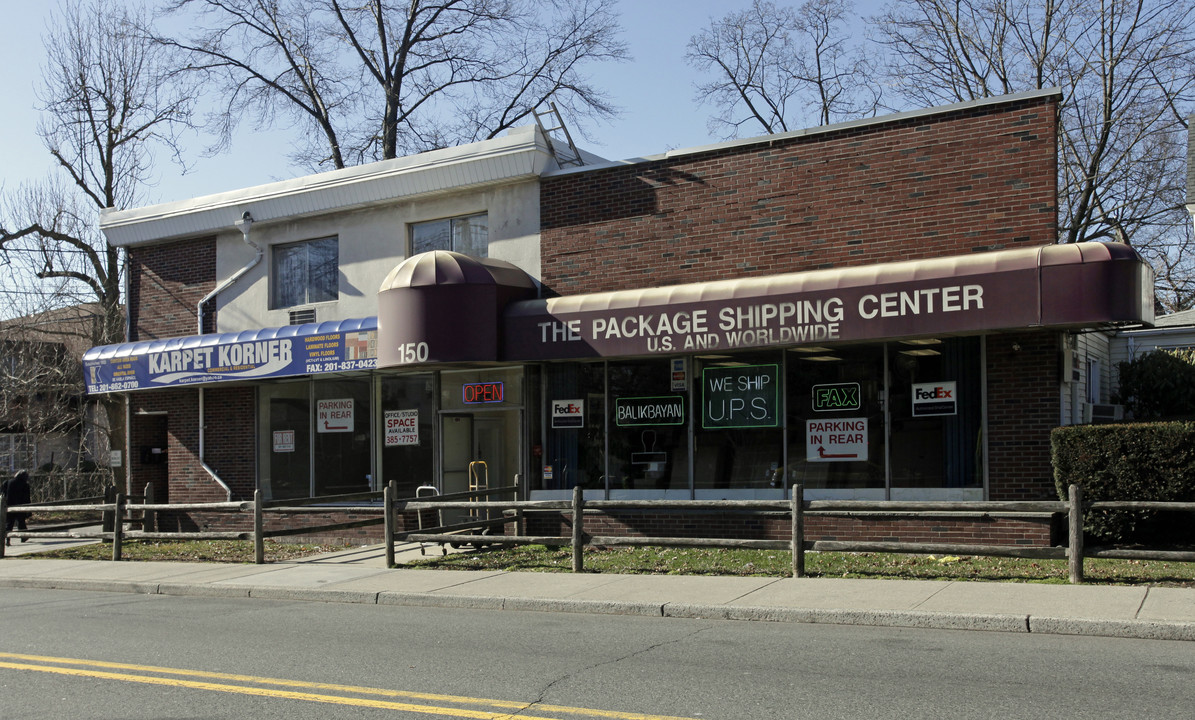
column 874, row 309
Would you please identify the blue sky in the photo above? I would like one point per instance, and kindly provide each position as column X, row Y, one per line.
column 655, row 92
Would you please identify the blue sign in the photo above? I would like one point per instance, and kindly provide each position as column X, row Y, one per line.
column 311, row 349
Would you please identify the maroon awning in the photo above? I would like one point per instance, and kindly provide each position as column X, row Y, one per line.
column 1081, row 285
column 446, row 307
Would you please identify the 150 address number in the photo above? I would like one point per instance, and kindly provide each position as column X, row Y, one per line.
column 412, row 353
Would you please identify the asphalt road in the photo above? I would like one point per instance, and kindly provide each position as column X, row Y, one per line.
column 67, row 654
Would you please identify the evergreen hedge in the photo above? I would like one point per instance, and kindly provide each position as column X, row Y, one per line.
column 1136, row 461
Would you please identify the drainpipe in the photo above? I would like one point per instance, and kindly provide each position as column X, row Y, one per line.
column 243, row 225
column 206, row 467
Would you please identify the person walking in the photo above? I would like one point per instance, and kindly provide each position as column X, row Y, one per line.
column 16, row 491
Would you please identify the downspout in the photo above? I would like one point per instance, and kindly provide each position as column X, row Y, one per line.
column 210, row 471
column 243, row 225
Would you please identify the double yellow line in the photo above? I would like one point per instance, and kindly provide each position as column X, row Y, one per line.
column 269, row 687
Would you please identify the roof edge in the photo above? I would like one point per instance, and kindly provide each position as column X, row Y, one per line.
column 821, row 130
column 161, row 221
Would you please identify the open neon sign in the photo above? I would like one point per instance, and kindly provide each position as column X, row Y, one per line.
column 486, row 392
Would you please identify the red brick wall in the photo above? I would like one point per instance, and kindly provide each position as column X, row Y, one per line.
column 1030, row 531
column 1023, row 407
column 946, row 184
column 228, row 447
column 166, row 282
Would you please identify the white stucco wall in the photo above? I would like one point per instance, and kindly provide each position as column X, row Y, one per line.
column 371, row 242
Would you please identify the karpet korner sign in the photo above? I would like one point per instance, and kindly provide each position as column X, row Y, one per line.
column 149, row 365
column 814, row 317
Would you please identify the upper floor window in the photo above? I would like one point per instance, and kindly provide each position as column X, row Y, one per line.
column 467, row 234
column 304, row 272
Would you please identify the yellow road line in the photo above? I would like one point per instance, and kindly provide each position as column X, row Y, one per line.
column 505, row 704
column 262, row 692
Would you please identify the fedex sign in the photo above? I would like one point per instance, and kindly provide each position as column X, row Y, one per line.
column 568, row 413
column 940, row 398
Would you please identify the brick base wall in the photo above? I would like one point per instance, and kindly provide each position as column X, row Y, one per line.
column 1034, row 531
column 1037, row 531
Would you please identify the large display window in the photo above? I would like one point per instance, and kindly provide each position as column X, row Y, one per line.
column 284, row 442
column 574, row 448
column 739, row 421
column 649, row 421
column 315, row 438
column 408, row 414
column 836, row 428
column 936, row 412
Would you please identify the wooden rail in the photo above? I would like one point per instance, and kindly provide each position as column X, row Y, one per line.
column 474, row 531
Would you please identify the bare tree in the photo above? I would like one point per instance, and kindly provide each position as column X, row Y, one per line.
column 104, row 111
column 779, row 67
column 372, row 79
column 1127, row 72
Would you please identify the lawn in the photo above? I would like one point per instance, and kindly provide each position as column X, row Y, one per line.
column 220, row 551
column 682, row 561
column 773, row 563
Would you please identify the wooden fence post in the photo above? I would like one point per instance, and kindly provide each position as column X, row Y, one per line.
column 797, row 509
column 388, row 509
column 106, row 515
column 1074, row 548
column 147, row 516
column 259, row 523
column 518, row 511
column 3, row 523
column 117, row 526
column 578, row 531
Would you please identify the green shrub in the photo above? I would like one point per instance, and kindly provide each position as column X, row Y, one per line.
column 1138, row 461
column 1159, row 385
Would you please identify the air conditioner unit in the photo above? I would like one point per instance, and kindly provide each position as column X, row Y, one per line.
column 1098, row 414
column 302, row 316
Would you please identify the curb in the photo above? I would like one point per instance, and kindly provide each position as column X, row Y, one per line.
column 1134, row 629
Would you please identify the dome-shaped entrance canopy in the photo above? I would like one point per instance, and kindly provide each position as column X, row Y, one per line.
column 443, row 306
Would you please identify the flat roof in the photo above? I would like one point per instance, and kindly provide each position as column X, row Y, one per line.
column 522, row 153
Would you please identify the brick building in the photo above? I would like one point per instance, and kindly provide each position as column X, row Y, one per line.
column 874, row 310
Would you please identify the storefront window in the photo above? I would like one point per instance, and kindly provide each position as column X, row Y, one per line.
column 739, row 422
column 648, row 427
column 481, row 422
column 836, row 417
column 342, row 437
column 284, row 447
column 936, row 414
column 408, row 419
column 574, row 451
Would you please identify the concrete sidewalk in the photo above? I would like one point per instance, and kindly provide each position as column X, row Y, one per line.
column 360, row 576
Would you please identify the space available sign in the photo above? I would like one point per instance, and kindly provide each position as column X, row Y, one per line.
column 166, row 363
column 402, row 427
